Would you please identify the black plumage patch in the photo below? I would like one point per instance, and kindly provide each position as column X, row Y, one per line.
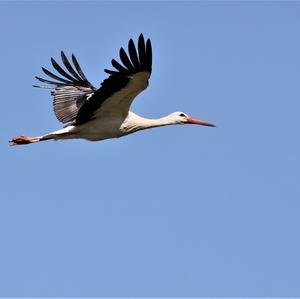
column 73, row 78
column 136, row 62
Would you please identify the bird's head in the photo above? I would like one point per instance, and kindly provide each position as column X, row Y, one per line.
column 183, row 119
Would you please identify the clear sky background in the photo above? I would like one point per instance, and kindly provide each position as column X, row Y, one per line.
column 174, row 211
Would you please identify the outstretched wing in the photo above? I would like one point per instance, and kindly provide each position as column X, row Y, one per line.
column 70, row 91
column 75, row 98
column 117, row 92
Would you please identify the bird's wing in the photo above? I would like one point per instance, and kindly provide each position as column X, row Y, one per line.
column 117, row 92
column 75, row 98
column 70, row 91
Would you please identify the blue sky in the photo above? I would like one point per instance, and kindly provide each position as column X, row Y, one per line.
column 174, row 211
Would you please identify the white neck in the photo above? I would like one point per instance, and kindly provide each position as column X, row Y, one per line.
column 135, row 123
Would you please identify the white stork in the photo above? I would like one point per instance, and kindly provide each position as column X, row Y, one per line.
column 97, row 114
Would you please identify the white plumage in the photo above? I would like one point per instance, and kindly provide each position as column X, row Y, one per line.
column 97, row 114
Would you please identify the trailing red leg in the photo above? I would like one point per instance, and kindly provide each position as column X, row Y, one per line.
column 24, row 140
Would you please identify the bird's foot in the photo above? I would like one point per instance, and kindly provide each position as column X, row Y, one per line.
column 23, row 140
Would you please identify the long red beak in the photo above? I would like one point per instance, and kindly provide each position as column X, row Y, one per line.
column 195, row 121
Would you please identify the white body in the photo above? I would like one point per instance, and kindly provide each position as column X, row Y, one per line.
column 108, row 127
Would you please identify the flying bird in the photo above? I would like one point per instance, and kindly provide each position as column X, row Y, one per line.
column 102, row 113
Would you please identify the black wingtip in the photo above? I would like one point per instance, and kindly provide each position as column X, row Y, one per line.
column 44, row 70
column 78, row 68
column 138, row 58
column 110, row 72
column 63, row 56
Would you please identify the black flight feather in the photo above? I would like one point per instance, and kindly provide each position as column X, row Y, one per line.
column 48, row 73
column 69, row 66
column 47, row 81
column 111, row 72
column 61, row 71
column 142, row 51
column 118, row 66
column 78, row 68
column 133, row 54
column 138, row 61
column 126, row 61
column 148, row 53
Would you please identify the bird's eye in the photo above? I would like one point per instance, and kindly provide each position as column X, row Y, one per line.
column 182, row 114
